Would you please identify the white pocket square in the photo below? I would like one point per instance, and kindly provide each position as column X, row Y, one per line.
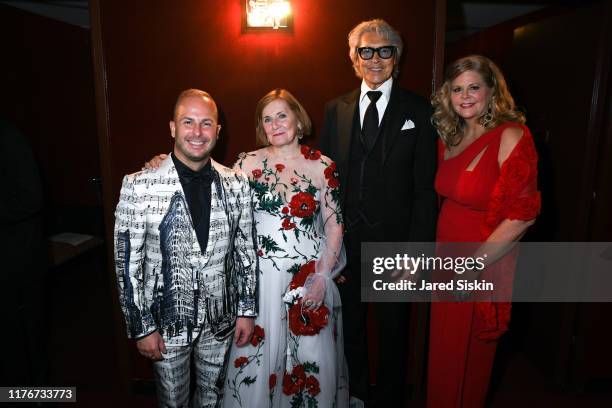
column 408, row 124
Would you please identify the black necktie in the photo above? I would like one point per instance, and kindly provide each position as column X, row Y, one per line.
column 370, row 120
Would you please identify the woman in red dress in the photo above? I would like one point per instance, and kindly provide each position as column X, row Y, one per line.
column 487, row 184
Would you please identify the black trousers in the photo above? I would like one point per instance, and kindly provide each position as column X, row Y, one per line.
column 391, row 321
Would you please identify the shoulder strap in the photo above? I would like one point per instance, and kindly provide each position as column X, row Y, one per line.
column 490, row 140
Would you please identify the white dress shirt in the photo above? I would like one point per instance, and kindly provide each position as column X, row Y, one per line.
column 382, row 102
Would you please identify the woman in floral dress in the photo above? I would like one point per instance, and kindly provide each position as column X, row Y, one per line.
column 295, row 357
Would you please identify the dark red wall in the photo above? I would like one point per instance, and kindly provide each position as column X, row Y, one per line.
column 152, row 53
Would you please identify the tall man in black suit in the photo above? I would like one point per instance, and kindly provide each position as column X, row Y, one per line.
column 384, row 146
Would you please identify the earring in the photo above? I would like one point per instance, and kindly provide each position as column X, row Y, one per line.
column 300, row 133
column 486, row 119
column 457, row 128
column 453, row 138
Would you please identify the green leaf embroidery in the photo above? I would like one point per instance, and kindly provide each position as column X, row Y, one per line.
column 311, row 367
column 268, row 244
column 249, row 380
column 294, row 269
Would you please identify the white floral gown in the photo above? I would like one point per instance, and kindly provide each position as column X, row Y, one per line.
column 296, row 356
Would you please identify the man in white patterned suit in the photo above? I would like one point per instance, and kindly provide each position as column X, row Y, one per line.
column 185, row 259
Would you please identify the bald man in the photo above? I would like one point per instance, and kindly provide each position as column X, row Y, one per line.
column 185, row 259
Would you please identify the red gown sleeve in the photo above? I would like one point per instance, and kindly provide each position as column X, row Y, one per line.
column 515, row 197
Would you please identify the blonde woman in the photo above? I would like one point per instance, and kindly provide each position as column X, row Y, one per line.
column 486, row 178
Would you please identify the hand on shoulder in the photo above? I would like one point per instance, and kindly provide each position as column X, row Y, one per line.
column 155, row 161
column 245, row 160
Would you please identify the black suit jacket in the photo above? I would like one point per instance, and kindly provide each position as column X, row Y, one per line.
column 409, row 160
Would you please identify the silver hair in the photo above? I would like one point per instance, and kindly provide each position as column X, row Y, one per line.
column 383, row 29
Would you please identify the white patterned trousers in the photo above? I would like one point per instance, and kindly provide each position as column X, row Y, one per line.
column 207, row 357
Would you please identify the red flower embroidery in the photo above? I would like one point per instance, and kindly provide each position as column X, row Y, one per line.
column 288, row 386
column 309, row 153
column 260, row 253
column 333, row 182
column 302, row 205
column 294, row 383
column 257, row 173
column 240, row 361
column 258, row 335
column 312, row 386
column 287, row 224
column 280, row 167
column 294, row 180
column 285, row 210
column 331, row 175
column 330, row 170
column 307, row 322
column 272, row 381
column 300, row 278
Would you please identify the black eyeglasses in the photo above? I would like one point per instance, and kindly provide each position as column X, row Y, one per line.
column 385, row 52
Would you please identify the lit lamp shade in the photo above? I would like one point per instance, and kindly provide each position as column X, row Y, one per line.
column 267, row 15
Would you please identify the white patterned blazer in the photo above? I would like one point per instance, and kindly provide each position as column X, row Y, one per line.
column 166, row 283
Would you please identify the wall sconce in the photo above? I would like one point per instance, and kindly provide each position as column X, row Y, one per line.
column 264, row 15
